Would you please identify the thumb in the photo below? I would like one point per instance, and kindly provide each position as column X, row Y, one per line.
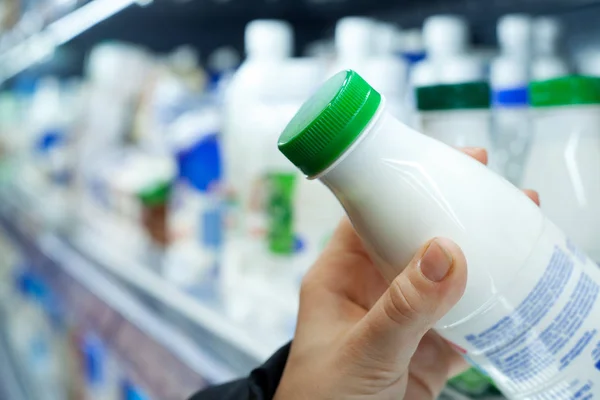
column 424, row 292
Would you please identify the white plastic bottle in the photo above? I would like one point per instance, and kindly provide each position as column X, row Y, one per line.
column 461, row 68
column 411, row 46
column 511, row 116
column 514, row 33
column 456, row 114
column 354, row 43
column 446, row 41
column 548, row 62
column 268, row 44
column 564, row 161
column 34, row 340
column 385, row 38
column 195, row 209
column 282, row 231
column 445, row 36
column 388, row 75
column 529, row 315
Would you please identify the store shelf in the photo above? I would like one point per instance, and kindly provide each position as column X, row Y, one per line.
column 18, row 55
column 15, row 383
column 144, row 339
column 209, row 315
column 98, row 283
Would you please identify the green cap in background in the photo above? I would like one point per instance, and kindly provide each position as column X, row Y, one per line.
column 155, row 195
column 460, row 96
column 565, row 91
column 329, row 122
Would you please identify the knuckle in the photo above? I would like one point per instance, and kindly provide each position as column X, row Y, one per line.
column 306, row 286
column 403, row 303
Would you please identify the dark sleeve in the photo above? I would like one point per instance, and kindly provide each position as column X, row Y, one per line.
column 261, row 384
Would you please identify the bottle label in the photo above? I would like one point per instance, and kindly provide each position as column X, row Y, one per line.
column 280, row 211
column 540, row 337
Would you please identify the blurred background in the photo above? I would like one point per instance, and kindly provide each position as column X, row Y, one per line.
column 152, row 238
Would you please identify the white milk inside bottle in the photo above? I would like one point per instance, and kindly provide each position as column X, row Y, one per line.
column 529, row 315
column 564, row 161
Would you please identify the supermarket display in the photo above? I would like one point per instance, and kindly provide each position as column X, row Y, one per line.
column 154, row 238
column 564, row 147
column 525, row 278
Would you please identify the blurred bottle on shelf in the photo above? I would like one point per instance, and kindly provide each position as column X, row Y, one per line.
column 461, row 69
column 514, row 32
column 388, row 75
column 284, row 230
column 100, row 370
column 132, row 392
column 355, row 43
column 445, row 37
column 511, row 116
column 385, row 70
column 48, row 157
column 564, row 164
column 221, row 65
column 456, row 114
column 34, row 339
column 446, row 40
column 548, row 61
column 411, row 46
column 175, row 85
column 268, row 43
column 195, row 213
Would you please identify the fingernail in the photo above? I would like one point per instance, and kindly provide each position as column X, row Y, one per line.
column 436, row 262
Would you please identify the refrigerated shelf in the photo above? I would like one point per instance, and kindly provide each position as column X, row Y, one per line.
column 168, row 362
column 15, row 383
column 36, row 46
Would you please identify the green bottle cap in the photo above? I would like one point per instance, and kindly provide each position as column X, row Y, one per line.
column 329, row 122
column 461, row 96
column 565, row 91
column 155, row 195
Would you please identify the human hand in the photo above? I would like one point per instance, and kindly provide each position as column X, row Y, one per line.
column 359, row 338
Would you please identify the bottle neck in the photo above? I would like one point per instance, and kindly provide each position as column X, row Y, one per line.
column 373, row 124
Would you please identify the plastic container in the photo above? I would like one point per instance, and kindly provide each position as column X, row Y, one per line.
column 401, row 188
column 456, row 114
column 548, row 62
column 511, row 116
column 355, row 39
column 549, row 67
column 388, row 74
column 385, row 37
column 285, row 220
column 547, row 34
column 460, row 69
column 196, row 206
column 514, row 33
column 268, row 44
column 445, row 36
column 412, row 46
column 564, row 162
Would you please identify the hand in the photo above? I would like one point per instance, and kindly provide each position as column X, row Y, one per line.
column 359, row 338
